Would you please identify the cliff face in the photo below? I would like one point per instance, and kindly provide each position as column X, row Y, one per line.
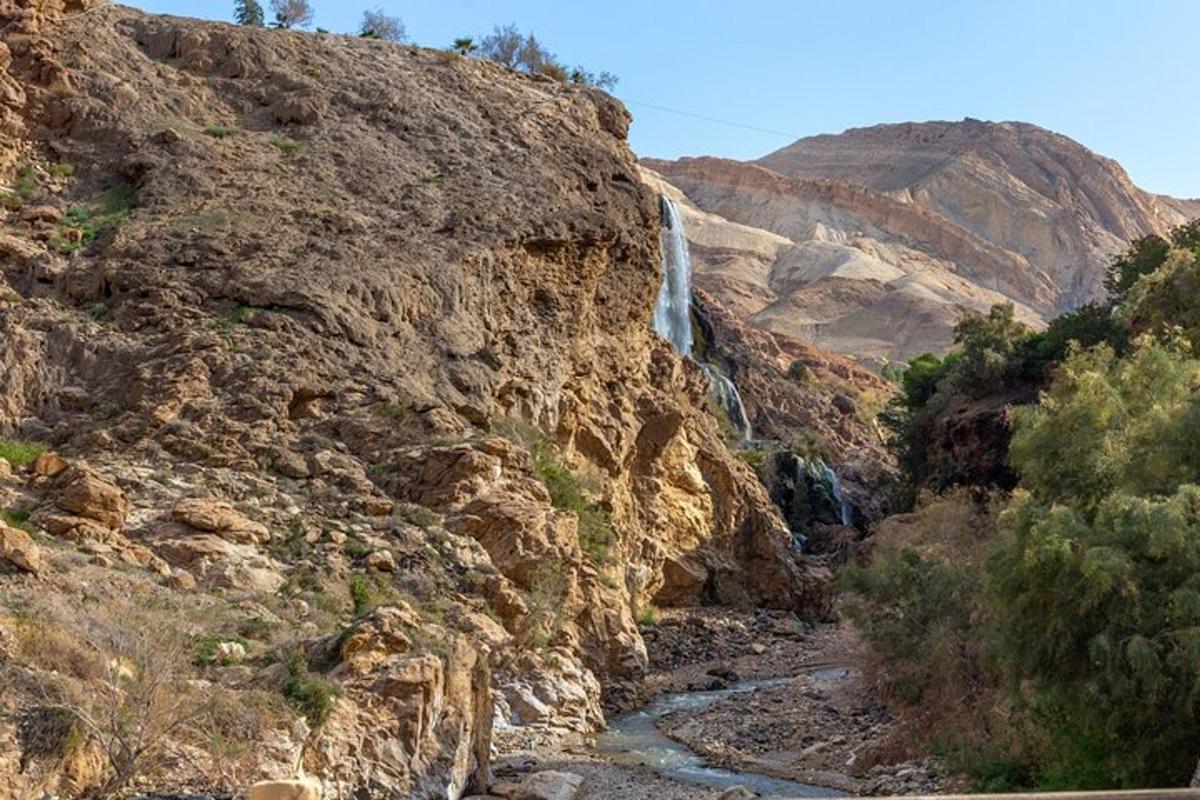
column 324, row 325
column 896, row 230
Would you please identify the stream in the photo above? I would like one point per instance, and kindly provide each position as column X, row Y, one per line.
column 633, row 739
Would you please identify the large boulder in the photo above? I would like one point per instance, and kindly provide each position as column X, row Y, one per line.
column 214, row 516
column 18, row 548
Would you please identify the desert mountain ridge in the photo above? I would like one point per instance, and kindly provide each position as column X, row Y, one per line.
column 891, row 232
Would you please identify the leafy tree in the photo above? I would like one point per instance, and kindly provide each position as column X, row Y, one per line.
column 1086, row 326
column 1166, row 302
column 503, row 45
column 378, row 25
column 601, row 80
column 1147, row 254
column 508, row 46
column 1110, row 425
column 248, row 12
column 988, row 344
column 1100, row 629
column 464, row 46
column 292, row 13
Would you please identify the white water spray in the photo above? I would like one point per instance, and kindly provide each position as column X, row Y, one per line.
column 726, row 393
column 823, row 472
column 672, row 312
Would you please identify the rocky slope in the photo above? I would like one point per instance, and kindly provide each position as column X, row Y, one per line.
column 890, row 233
column 345, row 349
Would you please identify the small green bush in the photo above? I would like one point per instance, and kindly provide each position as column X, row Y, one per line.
column 218, row 131
column 17, row 518
column 310, row 695
column 362, row 594
column 81, row 224
column 204, row 647
column 61, row 170
column 289, row 147
column 648, row 617
column 290, row 548
column 98, row 312
column 596, row 534
column 799, row 372
column 20, row 453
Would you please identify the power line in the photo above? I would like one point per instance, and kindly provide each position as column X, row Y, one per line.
column 712, row 119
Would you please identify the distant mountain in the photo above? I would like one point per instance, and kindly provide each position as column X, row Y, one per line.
column 891, row 233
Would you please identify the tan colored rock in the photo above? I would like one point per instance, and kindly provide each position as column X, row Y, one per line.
column 298, row 789
column 892, row 230
column 381, row 561
column 550, row 785
column 214, row 516
column 18, row 548
column 49, row 465
column 85, row 493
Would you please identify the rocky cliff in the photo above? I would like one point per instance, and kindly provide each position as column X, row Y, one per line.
column 344, row 350
column 892, row 232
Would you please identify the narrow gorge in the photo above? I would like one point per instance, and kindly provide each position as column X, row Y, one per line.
column 375, row 424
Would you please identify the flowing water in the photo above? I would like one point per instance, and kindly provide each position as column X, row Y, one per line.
column 823, row 472
column 633, row 739
column 725, row 392
column 672, row 313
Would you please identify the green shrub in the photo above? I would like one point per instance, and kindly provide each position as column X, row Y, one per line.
column 81, row 224
column 799, row 372
column 310, row 695
column 289, row 147
column 292, row 547
column 648, row 617
column 596, row 534
column 61, row 170
column 20, row 453
column 362, row 594
column 218, row 131
column 98, row 312
column 204, row 647
column 17, row 518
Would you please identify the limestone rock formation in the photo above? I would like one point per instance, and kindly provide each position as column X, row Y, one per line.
column 350, row 341
column 891, row 233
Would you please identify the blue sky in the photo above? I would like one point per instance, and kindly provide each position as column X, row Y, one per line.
column 1120, row 77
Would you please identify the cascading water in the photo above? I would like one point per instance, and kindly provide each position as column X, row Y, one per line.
column 673, row 317
column 726, row 393
column 672, row 313
column 826, row 474
column 845, row 510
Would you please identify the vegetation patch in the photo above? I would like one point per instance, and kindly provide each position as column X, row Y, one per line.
column 596, row 534
column 309, row 694
column 289, row 147
column 20, row 453
column 82, row 224
column 205, row 648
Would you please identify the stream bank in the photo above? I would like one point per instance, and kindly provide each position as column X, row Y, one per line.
column 757, row 699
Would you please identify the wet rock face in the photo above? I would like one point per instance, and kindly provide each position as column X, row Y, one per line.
column 282, row 360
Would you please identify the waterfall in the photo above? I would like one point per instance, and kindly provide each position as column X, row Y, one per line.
column 845, row 510
column 672, row 312
column 823, row 472
column 673, row 318
column 726, row 393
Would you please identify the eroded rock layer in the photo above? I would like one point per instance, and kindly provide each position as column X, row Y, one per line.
column 347, row 343
column 891, row 233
